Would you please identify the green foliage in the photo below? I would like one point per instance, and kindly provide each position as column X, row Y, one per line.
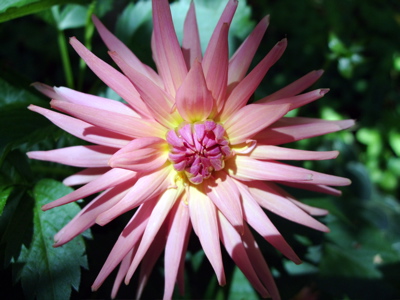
column 47, row 272
column 356, row 42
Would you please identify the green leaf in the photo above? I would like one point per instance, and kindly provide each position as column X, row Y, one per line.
column 240, row 287
column 10, row 9
column 47, row 272
column 4, row 193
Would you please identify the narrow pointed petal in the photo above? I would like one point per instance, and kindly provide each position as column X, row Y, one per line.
column 84, row 176
column 123, row 268
column 299, row 100
column 159, row 103
column 241, row 60
column 234, row 246
column 191, row 47
column 296, row 87
column 94, row 101
column 193, row 99
column 245, row 88
column 45, row 90
column 256, row 217
column 146, row 187
column 226, row 18
column 288, row 130
column 313, row 211
column 157, row 217
column 259, row 264
column 126, row 125
column 106, row 181
column 77, row 156
column 176, row 244
column 87, row 216
column 248, row 169
column 267, row 152
column 215, row 66
column 141, row 155
column 315, row 188
column 114, row 44
column 268, row 198
column 114, row 79
column 203, row 215
column 128, row 240
column 251, row 119
column 150, row 259
column 170, row 62
column 82, row 129
column 225, row 195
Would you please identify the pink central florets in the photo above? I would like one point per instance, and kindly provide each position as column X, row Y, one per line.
column 198, row 149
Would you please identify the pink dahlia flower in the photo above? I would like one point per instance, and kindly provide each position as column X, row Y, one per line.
column 187, row 151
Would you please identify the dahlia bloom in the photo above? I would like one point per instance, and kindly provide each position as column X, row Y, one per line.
column 187, row 151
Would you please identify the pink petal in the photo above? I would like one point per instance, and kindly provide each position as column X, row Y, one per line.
column 114, row 79
column 215, row 66
column 114, row 44
column 248, row 169
column 255, row 216
column 241, row 60
column 83, row 130
column 225, row 195
column 270, row 199
column 107, row 180
column 178, row 238
column 250, row 119
column 150, row 259
column 118, row 123
column 245, row 88
column 45, row 89
column 191, row 48
column 84, row 176
column 267, row 152
column 288, row 130
column 313, row 211
column 123, row 268
column 226, row 18
column 234, row 246
column 296, row 87
column 203, row 215
column 193, row 99
column 170, row 62
column 87, row 216
column 77, row 156
column 299, row 100
column 143, row 154
column 157, row 100
column 259, row 264
column 157, row 217
column 315, row 188
column 128, row 240
column 94, row 101
column 147, row 187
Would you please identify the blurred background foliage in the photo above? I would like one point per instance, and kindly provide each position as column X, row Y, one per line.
column 356, row 42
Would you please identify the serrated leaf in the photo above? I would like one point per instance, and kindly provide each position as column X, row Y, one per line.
column 10, row 9
column 49, row 273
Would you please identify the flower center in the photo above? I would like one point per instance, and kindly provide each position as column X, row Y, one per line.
column 198, row 149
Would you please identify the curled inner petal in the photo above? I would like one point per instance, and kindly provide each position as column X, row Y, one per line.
column 198, row 149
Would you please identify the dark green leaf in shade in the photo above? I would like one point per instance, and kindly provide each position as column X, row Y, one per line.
column 4, row 193
column 47, row 272
column 240, row 287
column 15, row 225
column 10, row 9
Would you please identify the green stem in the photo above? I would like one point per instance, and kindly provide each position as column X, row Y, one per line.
column 62, row 43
